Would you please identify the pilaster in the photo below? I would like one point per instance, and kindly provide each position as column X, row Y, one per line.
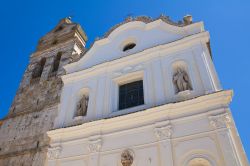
column 94, row 148
column 221, row 125
column 163, row 135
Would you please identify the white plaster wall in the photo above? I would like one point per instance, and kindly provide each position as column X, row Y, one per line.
column 153, row 66
column 163, row 131
column 164, row 135
column 158, row 47
column 144, row 35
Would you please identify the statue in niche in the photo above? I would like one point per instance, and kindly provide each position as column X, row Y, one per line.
column 82, row 106
column 181, row 80
column 127, row 158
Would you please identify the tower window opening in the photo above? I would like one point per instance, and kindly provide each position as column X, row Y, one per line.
column 54, row 42
column 37, row 72
column 129, row 47
column 59, row 29
column 57, row 62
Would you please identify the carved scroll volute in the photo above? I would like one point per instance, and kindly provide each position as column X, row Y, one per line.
column 127, row 157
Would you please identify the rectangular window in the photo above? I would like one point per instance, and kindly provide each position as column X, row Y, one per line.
column 131, row 95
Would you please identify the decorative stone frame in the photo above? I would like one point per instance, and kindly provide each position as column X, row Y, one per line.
column 127, row 78
column 189, row 57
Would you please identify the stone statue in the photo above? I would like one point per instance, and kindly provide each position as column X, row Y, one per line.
column 82, row 106
column 127, row 158
column 181, row 81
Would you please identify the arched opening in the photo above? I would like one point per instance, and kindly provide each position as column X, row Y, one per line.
column 38, row 70
column 57, row 62
column 199, row 162
column 128, row 47
column 55, row 41
column 59, row 28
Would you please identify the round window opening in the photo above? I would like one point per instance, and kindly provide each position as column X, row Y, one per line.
column 128, row 47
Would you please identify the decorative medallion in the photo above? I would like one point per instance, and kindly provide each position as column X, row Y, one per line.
column 127, row 157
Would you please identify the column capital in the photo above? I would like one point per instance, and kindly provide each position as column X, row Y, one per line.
column 95, row 145
column 164, row 132
column 54, row 152
column 220, row 121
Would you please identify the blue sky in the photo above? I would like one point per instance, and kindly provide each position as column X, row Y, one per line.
column 228, row 21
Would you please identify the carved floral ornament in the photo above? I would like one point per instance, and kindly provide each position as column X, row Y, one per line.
column 54, row 152
column 163, row 132
column 128, row 69
column 127, row 157
column 220, row 121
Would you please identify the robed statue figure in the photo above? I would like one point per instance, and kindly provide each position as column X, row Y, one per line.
column 181, row 81
column 82, row 106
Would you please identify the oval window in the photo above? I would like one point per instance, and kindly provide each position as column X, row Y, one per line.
column 129, row 47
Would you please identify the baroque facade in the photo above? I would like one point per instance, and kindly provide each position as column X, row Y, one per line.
column 147, row 93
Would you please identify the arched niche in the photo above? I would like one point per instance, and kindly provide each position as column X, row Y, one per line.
column 199, row 162
column 82, row 103
column 199, row 158
column 181, row 77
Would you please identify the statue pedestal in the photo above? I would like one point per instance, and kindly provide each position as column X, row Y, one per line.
column 78, row 117
column 183, row 95
column 76, row 121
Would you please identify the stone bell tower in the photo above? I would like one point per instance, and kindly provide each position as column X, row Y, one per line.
column 23, row 139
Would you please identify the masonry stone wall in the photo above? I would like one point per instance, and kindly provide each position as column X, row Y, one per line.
column 23, row 138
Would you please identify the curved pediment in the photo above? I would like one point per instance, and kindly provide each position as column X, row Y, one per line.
column 143, row 34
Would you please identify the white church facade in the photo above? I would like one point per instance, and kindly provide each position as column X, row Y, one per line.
column 147, row 94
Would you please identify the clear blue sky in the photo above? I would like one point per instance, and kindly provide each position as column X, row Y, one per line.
column 228, row 21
